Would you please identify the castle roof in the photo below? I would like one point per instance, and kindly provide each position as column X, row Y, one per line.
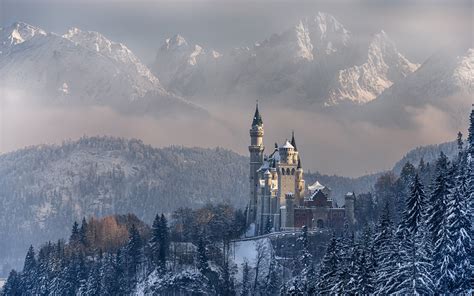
column 288, row 145
column 257, row 118
column 293, row 142
column 316, row 186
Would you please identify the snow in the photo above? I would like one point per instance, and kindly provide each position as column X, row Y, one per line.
column 288, row 145
column 384, row 66
column 2, row 282
column 316, row 186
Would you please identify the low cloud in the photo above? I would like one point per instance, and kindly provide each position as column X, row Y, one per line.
column 327, row 143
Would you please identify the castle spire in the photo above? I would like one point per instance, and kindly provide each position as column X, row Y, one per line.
column 293, row 142
column 257, row 119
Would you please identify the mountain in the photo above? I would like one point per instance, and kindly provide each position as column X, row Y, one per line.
column 82, row 68
column 384, row 66
column 317, row 61
column 444, row 81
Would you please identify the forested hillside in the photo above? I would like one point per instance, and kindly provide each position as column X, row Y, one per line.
column 43, row 189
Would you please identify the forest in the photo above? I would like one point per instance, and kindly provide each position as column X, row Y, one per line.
column 413, row 236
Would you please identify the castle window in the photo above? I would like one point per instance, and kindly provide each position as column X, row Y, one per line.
column 293, row 171
column 283, row 171
column 288, row 171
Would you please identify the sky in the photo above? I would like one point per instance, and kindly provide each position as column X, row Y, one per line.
column 418, row 28
column 224, row 24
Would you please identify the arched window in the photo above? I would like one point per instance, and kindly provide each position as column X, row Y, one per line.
column 288, row 171
column 293, row 171
column 283, row 171
column 320, row 223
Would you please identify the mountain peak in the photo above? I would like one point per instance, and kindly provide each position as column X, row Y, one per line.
column 175, row 43
column 17, row 33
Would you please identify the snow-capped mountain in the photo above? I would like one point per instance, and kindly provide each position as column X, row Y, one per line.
column 318, row 61
column 182, row 67
column 81, row 68
column 384, row 66
column 444, row 81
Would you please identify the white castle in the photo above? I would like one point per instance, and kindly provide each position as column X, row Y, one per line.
column 277, row 189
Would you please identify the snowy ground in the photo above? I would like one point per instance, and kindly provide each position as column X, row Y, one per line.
column 2, row 282
column 247, row 251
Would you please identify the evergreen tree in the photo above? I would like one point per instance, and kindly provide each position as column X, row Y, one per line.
column 83, row 235
column 307, row 275
column 13, row 285
column 415, row 207
column 133, row 257
column 329, row 267
column 164, row 239
column 438, row 198
column 386, row 251
column 245, row 279
column 273, row 281
column 414, row 273
column 28, row 276
column 75, row 237
column 346, row 274
column 109, row 276
column 93, row 284
column 227, row 287
column 202, row 260
column 459, row 222
column 159, row 241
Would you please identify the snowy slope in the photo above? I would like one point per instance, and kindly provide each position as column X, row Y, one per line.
column 384, row 66
column 80, row 68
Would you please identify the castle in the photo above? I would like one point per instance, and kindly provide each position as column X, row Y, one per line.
column 279, row 199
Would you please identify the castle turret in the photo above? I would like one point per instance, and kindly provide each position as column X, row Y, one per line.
column 349, row 207
column 256, row 149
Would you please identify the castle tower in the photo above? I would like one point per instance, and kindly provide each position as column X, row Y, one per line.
column 349, row 207
column 256, row 160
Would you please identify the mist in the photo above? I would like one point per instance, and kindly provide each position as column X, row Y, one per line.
column 327, row 143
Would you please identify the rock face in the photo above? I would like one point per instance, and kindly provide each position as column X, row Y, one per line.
column 317, row 60
column 81, row 68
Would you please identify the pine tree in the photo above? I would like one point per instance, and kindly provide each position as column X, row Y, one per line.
column 13, row 285
column 202, row 260
column 414, row 273
column 227, row 287
column 28, row 276
column 386, row 251
column 438, row 198
column 346, row 270
column 93, row 284
column 415, row 207
column 273, row 281
column 329, row 267
column 164, row 239
column 307, row 275
column 159, row 241
column 83, row 235
column 459, row 222
column 109, row 276
column 245, row 279
column 75, row 237
column 133, row 257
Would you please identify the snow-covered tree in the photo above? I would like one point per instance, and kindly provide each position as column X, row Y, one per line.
column 329, row 267
column 245, row 289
